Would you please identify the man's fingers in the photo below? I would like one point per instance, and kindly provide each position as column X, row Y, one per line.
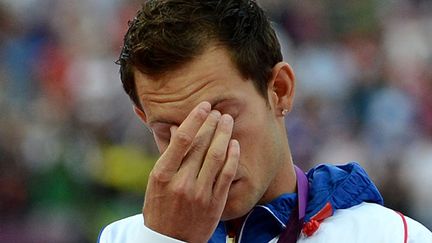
column 216, row 154
column 194, row 159
column 226, row 176
column 182, row 139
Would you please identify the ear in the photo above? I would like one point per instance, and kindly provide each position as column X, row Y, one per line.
column 281, row 88
column 140, row 113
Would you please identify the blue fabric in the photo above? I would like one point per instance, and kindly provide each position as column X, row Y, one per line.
column 343, row 186
column 220, row 234
column 269, row 219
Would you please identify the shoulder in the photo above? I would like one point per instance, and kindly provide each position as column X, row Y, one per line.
column 132, row 230
column 417, row 233
column 368, row 222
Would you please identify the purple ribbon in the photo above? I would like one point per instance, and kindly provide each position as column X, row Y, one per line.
column 294, row 225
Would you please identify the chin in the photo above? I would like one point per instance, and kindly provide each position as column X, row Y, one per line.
column 230, row 215
column 236, row 208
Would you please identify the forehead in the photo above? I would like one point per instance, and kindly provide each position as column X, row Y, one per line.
column 211, row 77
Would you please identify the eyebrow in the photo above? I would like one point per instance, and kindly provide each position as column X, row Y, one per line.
column 213, row 103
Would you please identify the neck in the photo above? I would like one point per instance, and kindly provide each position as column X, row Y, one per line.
column 285, row 181
column 233, row 226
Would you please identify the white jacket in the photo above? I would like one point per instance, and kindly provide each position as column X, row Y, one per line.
column 364, row 223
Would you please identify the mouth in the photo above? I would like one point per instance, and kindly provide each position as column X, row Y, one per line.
column 237, row 178
column 235, row 181
column 234, row 187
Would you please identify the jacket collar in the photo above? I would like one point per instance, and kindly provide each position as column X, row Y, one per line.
column 337, row 187
column 263, row 223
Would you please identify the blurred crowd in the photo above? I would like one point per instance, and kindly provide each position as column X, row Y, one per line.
column 73, row 157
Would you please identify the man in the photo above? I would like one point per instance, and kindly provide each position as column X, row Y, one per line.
column 207, row 78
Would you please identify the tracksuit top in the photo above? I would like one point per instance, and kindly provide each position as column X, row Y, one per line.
column 343, row 206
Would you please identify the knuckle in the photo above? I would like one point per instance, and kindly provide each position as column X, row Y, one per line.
column 181, row 190
column 183, row 139
column 227, row 175
column 159, row 176
column 200, row 199
column 200, row 139
column 198, row 145
column 217, row 155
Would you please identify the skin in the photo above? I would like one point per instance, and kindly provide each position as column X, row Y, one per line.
column 223, row 145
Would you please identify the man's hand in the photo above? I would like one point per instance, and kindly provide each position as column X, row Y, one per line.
column 188, row 186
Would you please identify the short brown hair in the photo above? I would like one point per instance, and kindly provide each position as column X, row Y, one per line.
column 166, row 34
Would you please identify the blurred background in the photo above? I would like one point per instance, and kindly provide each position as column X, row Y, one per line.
column 73, row 157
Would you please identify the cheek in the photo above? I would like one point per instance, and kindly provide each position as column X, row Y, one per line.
column 249, row 138
column 258, row 144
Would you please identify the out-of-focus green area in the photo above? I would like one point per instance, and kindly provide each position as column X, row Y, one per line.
column 73, row 157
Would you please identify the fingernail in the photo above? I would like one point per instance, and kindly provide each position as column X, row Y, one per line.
column 205, row 106
column 227, row 119
column 216, row 114
column 235, row 143
column 235, row 146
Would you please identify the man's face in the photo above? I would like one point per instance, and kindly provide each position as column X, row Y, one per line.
column 213, row 77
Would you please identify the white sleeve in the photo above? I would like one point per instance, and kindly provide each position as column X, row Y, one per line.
column 368, row 222
column 132, row 230
column 417, row 233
